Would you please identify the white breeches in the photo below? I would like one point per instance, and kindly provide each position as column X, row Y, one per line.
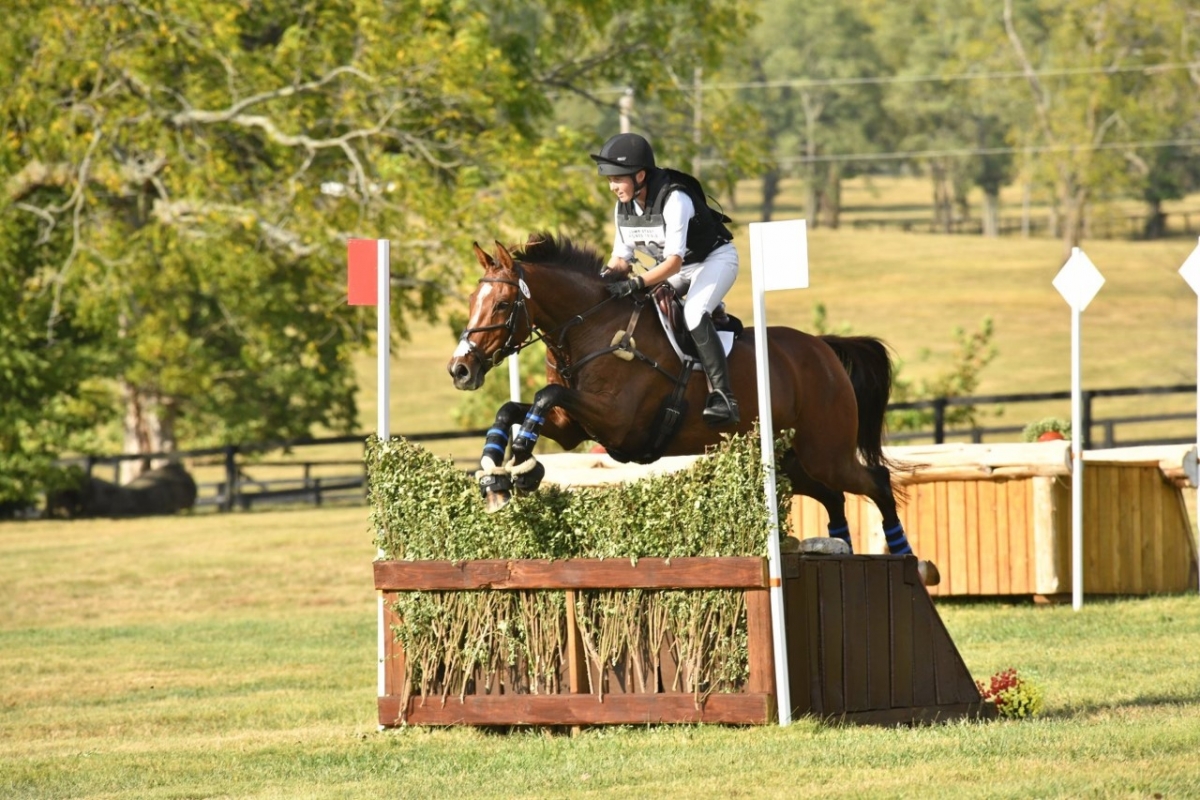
column 705, row 284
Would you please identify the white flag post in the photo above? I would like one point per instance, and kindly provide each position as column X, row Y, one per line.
column 1191, row 273
column 1078, row 282
column 778, row 260
column 369, row 281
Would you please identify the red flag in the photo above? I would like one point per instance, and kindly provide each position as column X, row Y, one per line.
column 362, row 276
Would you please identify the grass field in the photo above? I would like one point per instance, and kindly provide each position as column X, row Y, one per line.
column 234, row 656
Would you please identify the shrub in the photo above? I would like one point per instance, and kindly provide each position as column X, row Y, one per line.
column 1015, row 697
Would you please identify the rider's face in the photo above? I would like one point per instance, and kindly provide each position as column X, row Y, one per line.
column 622, row 186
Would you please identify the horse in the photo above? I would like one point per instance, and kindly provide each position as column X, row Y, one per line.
column 637, row 398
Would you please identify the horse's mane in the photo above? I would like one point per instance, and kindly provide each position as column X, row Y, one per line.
column 545, row 249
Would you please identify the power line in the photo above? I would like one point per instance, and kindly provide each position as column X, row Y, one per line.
column 972, row 151
column 963, row 76
column 1148, row 69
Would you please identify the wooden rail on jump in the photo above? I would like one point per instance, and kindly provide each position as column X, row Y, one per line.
column 865, row 643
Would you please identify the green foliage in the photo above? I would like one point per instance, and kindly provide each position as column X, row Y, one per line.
column 974, row 352
column 1035, row 429
column 424, row 508
column 188, row 174
column 1015, row 696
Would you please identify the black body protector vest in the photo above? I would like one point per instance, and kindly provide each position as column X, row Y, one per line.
column 647, row 231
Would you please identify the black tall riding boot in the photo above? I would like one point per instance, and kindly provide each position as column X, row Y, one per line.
column 721, row 407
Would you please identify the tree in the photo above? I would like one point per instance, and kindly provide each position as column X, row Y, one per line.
column 813, row 122
column 1090, row 123
column 205, row 162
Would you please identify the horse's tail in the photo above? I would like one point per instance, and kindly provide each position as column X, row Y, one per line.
column 869, row 364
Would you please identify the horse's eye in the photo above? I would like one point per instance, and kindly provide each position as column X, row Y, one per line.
column 503, row 305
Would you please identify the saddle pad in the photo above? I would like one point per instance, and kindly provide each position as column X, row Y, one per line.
column 726, row 338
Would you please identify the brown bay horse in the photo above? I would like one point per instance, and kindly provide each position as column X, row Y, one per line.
column 612, row 373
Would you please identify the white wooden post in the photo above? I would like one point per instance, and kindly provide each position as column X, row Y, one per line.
column 1078, row 282
column 1191, row 273
column 369, row 282
column 778, row 260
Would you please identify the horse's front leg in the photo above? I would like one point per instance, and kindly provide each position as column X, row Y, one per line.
column 495, row 480
column 495, row 446
column 527, row 471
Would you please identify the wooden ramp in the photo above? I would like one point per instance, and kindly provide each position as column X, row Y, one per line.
column 866, row 645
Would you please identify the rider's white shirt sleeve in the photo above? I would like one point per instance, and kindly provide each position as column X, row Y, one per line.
column 620, row 248
column 676, row 212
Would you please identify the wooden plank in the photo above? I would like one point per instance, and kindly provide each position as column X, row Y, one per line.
column 1150, row 513
column 925, row 676
column 942, row 505
column 970, row 533
column 747, row 572
column 797, row 576
column 394, row 665
column 1007, row 537
column 1022, row 565
column 1047, row 543
column 572, row 709
column 900, row 597
column 577, row 663
column 993, row 539
column 956, row 507
column 831, row 629
column 854, row 634
column 760, row 644
column 879, row 651
column 1127, row 553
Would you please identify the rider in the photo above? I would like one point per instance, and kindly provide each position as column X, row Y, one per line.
column 665, row 214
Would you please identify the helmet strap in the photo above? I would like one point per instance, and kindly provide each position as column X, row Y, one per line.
column 639, row 185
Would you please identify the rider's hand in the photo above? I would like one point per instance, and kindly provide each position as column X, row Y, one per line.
column 626, row 288
column 618, row 267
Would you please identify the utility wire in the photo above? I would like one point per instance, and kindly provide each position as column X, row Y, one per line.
column 1148, row 69
column 971, row 151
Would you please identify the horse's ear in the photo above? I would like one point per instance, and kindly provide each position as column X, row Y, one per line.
column 484, row 259
column 503, row 256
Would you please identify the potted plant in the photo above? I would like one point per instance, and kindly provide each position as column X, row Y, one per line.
column 1047, row 429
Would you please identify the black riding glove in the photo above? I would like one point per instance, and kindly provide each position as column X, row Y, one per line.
column 626, row 288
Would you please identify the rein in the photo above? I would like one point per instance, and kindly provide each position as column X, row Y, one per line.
column 556, row 344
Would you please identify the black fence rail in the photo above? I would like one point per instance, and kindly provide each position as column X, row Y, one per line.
column 238, row 489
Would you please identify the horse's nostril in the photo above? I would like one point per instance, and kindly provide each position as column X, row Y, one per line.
column 460, row 371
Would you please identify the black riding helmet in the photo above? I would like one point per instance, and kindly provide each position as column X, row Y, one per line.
column 624, row 154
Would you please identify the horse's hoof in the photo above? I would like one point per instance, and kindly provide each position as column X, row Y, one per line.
column 496, row 489
column 494, row 501
column 529, row 481
column 928, row 572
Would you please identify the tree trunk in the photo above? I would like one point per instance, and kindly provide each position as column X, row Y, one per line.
column 991, row 214
column 1155, row 226
column 149, row 427
column 770, row 190
column 832, row 199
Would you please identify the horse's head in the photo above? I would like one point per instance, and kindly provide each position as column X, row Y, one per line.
column 498, row 322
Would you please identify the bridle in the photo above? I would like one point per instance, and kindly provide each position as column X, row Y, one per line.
column 518, row 312
column 511, row 344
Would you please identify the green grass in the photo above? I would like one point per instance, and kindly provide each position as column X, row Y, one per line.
column 234, row 656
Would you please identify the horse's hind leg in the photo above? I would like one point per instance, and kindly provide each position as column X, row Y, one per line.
column 893, row 529
column 833, row 500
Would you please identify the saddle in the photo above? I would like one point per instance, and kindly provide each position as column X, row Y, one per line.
column 670, row 311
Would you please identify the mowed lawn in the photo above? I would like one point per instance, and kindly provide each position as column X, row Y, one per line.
column 234, row 656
